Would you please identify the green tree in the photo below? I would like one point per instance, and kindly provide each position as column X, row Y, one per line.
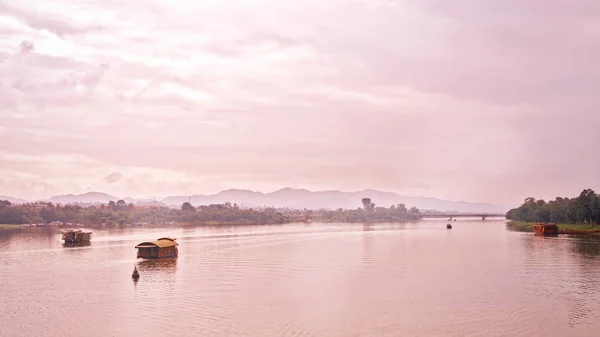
column 186, row 206
column 121, row 205
column 583, row 209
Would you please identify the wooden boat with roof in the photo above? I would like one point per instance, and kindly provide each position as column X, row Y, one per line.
column 161, row 248
column 76, row 236
column 545, row 229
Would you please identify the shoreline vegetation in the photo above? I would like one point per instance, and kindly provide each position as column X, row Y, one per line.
column 120, row 214
column 522, row 226
column 579, row 215
column 9, row 226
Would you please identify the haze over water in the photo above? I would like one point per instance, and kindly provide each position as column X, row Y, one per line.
column 478, row 279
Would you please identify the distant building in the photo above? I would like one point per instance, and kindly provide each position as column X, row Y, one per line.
column 41, row 204
column 148, row 206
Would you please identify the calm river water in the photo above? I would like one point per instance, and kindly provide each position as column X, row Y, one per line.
column 478, row 279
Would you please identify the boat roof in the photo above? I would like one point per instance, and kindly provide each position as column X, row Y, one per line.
column 545, row 224
column 160, row 243
column 75, row 231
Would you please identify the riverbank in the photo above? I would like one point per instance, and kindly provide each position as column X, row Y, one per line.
column 7, row 226
column 562, row 228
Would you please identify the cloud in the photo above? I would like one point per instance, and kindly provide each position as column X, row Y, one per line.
column 27, row 47
column 489, row 101
column 113, row 177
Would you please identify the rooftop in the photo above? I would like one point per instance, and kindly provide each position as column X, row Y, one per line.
column 161, row 243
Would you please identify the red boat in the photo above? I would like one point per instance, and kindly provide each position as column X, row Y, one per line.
column 545, row 229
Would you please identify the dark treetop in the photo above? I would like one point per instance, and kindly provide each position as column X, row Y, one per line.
column 584, row 209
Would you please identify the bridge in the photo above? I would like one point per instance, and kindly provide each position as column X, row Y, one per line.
column 452, row 216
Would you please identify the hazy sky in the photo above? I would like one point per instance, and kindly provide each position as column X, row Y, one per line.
column 465, row 99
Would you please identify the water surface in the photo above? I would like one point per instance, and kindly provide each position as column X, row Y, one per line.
column 478, row 279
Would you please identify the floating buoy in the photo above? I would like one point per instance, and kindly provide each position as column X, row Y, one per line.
column 135, row 275
column 449, row 226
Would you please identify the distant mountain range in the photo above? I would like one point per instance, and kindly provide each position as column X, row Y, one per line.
column 287, row 197
column 86, row 198
column 13, row 200
column 97, row 198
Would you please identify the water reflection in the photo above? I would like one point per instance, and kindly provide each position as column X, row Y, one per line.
column 76, row 244
column 587, row 246
column 566, row 268
column 414, row 279
column 166, row 264
column 586, row 284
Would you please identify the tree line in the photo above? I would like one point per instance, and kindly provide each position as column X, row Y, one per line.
column 584, row 209
column 395, row 213
column 119, row 213
column 116, row 214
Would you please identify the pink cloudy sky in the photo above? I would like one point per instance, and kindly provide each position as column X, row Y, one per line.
column 466, row 99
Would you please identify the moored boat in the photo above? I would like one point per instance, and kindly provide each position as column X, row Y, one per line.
column 76, row 235
column 545, row 229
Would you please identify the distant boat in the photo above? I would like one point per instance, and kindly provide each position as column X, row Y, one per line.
column 135, row 275
column 449, row 226
column 76, row 235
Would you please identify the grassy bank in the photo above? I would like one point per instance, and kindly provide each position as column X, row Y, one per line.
column 563, row 228
column 7, row 226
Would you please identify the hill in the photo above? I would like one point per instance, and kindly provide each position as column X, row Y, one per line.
column 85, row 198
column 13, row 200
column 287, row 198
column 301, row 198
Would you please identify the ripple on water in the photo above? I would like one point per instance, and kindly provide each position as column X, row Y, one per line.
column 316, row 280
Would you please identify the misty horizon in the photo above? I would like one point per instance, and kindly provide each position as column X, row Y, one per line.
column 282, row 198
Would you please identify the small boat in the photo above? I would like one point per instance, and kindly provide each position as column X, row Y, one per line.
column 135, row 275
column 76, row 235
column 545, row 229
column 449, row 226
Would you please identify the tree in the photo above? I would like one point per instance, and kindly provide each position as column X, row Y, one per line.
column 187, row 207
column 595, row 207
column 413, row 211
column 121, row 205
column 583, row 209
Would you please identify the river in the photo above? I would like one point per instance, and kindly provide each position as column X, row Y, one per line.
column 420, row 279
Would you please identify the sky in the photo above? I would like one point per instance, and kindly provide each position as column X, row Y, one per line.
column 470, row 100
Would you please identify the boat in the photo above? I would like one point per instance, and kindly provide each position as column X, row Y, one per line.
column 135, row 275
column 545, row 229
column 449, row 226
column 76, row 235
column 163, row 247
